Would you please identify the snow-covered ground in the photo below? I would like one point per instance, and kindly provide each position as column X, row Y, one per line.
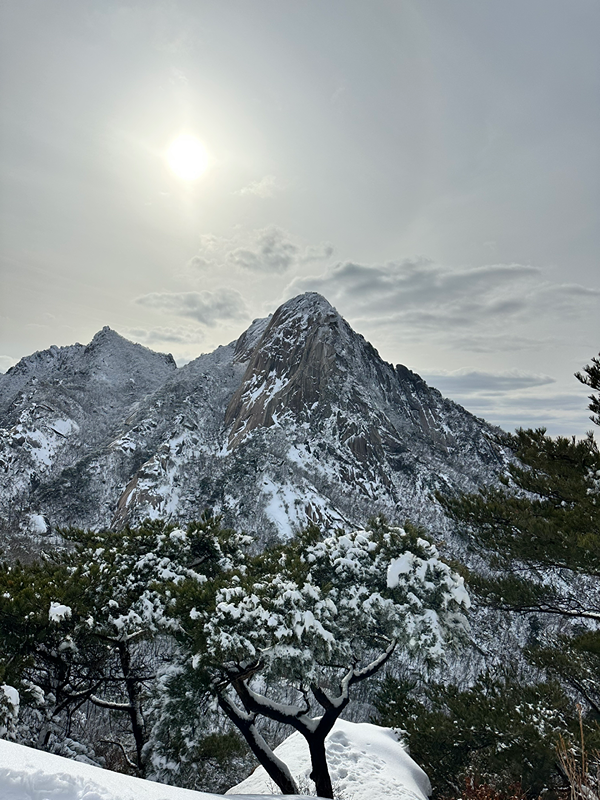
column 366, row 763
column 27, row 774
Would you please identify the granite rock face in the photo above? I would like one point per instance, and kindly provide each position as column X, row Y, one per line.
column 298, row 420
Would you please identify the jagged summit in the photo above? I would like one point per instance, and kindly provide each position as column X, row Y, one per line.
column 299, row 419
column 311, row 305
column 296, row 363
column 106, row 335
column 116, row 345
column 301, row 317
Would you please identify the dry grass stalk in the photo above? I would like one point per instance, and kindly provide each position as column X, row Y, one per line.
column 583, row 784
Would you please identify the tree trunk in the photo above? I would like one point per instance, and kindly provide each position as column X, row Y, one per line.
column 135, row 709
column 320, row 771
column 275, row 768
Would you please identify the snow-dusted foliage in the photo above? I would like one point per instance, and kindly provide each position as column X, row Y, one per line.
column 321, row 602
column 84, row 630
column 318, row 615
column 123, row 578
column 9, row 710
column 136, row 634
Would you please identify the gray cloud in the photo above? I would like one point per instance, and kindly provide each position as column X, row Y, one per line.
column 423, row 297
column 206, row 307
column 268, row 250
column 273, row 251
column 165, row 335
column 557, row 412
column 421, row 289
column 493, row 343
column 319, row 252
column 514, row 398
column 199, row 263
column 466, row 381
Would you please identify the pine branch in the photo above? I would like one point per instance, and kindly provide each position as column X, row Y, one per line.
column 98, row 701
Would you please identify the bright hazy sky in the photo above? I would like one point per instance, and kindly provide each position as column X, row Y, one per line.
column 431, row 167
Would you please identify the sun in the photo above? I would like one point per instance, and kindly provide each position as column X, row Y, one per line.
column 187, row 157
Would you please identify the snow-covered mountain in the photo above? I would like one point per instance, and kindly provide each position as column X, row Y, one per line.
column 298, row 420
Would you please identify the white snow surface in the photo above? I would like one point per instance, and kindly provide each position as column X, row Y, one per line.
column 366, row 762
column 27, row 774
column 11, row 694
column 38, row 523
column 58, row 612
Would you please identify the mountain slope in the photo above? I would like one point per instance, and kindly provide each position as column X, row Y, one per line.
column 298, row 420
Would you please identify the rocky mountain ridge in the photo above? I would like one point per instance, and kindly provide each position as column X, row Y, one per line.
column 298, row 420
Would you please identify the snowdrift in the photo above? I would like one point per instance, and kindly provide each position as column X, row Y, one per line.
column 366, row 762
column 27, row 774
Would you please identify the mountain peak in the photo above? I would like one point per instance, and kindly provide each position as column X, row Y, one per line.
column 106, row 334
column 111, row 344
column 308, row 308
column 301, row 420
column 292, row 366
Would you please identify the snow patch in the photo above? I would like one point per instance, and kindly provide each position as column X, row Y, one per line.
column 58, row 612
column 37, row 523
column 35, row 775
column 366, row 762
column 64, row 426
column 291, row 507
column 9, row 709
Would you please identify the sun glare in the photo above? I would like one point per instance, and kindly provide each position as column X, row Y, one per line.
column 187, row 157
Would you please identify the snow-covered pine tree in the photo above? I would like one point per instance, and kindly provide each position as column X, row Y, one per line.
column 88, row 623
column 317, row 615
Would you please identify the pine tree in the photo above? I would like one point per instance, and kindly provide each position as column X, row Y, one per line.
column 591, row 377
column 540, row 535
column 501, row 729
column 86, row 624
column 313, row 618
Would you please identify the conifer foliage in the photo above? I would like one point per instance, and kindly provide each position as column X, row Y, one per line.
column 503, row 729
column 540, row 534
column 313, row 618
column 145, row 626
column 591, row 377
column 86, row 628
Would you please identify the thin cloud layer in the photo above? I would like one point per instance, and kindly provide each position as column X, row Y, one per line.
column 263, row 188
column 273, row 251
column 270, row 250
column 470, row 381
column 159, row 335
column 513, row 398
column 468, row 306
column 558, row 412
column 208, row 308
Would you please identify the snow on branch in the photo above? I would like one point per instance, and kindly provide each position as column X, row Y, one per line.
column 98, row 701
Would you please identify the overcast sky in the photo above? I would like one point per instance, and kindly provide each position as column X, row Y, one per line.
column 431, row 167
